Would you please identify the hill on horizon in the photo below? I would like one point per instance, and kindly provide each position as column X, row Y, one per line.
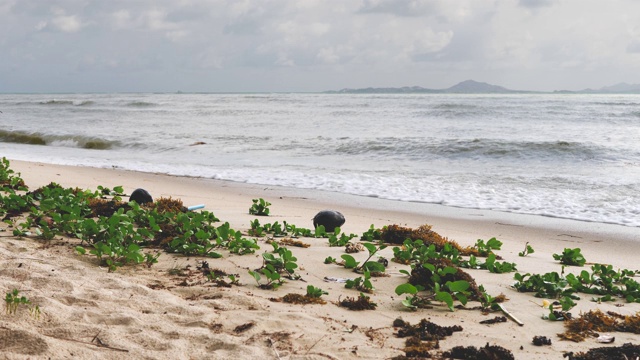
column 476, row 87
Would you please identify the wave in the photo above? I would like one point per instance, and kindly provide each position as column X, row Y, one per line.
column 76, row 141
column 141, row 104
column 86, row 103
column 56, row 102
column 420, row 148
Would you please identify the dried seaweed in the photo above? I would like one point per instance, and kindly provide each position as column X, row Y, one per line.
column 396, row 234
column 495, row 320
column 363, row 302
column 595, row 321
column 244, row 327
column 291, row 242
column 541, row 340
column 165, row 205
column 624, row 352
column 299, row 299
column 415, row 348
column 424, row 330
column 104, row 207
column 488, row 352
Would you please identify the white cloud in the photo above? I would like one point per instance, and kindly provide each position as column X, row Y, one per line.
column 67, row 24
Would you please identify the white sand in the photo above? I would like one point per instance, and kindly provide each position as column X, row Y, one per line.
column 144, row 312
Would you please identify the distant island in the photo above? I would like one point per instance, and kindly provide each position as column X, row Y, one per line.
column 475, row 87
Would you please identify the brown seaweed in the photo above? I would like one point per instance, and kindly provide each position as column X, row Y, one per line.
column 488, row 352
column 363, row 302
column 396, row 234
column 595, row 321
column 624, row 352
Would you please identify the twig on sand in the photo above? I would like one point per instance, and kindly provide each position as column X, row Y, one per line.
column 510, row 315
column 100, row 344
column 315, row 343
column 272, row 345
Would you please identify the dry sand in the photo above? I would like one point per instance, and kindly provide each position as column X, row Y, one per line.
column 147, row 313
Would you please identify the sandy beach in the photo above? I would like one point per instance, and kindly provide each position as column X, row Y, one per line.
column 161, row 313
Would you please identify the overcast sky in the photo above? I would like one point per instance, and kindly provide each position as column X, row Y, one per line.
column 309, row 45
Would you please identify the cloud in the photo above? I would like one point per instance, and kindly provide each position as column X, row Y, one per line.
column 317, row 43
column 68, row 24
column 536, row 3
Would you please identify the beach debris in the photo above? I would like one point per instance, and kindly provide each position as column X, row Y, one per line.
column 627, row 351
column 336, row 280
column 141, row 196
column 510, row 315
column 330, row 219
column 495, row 320
column 195, row 207
column 541, row 340
column 606, row 339
column 383, row 261
column 488, row 352
column 595, row 321
column 351, row 248
column 244, row 327
column 363, row 302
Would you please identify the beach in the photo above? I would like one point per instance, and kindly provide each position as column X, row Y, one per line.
column 157, row 313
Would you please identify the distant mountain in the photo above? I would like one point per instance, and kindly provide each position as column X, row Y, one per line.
column 621, row 88
column 475, row 87
column 465, row 87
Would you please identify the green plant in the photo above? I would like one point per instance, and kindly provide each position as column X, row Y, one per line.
column 284, row 262
column 329, row 260
column 315, row 292
column 360, row 283
column 342, row 240
column 274, row 280
column 550, row 285
column 13, row 300
column 527, row 250
column 487, row 248
column 368, row 265
column 371, row 234
column 497, row 267
column 452, row 290
column 260, row 207
column 571, row 257
column 413, row 301
column 487, row 302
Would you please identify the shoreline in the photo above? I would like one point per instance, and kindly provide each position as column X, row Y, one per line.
column 154, row 314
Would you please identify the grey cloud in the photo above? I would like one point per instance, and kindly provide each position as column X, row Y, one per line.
column 398, row 8
column 536, row 3
column 634, row 47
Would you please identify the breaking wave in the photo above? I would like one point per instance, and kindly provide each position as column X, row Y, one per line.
column 76, row 141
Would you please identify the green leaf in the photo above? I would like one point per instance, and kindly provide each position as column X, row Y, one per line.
column 458, row 286
column 406, row 289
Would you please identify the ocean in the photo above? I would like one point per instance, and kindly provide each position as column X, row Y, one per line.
column 557, row 155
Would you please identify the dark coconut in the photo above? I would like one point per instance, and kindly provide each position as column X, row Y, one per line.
column 141, row 196
column 330, row 219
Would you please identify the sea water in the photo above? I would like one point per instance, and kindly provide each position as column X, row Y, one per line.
column 558, row 155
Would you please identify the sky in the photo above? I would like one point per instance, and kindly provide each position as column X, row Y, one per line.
column 313, row 45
